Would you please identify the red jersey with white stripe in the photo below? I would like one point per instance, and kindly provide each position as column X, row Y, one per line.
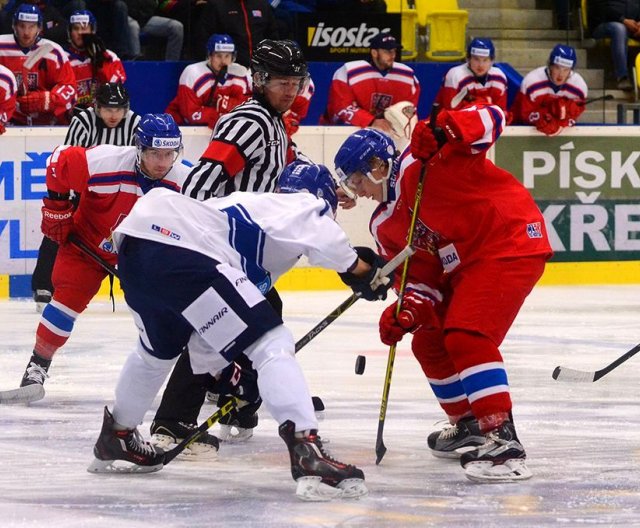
column 470, row 209
column 491, row 89
column 52, row 73
column 8, row 90
column 106, row 178
column 537, row 93
column 111, row 71
column 201, row 99
column 359, row 92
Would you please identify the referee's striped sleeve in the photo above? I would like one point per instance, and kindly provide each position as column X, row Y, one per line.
column 78, row 133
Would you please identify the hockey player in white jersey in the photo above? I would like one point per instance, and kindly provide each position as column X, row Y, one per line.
column 195, row 274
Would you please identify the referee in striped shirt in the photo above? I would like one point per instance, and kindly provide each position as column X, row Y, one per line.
column 110, row 122
column 248, row 151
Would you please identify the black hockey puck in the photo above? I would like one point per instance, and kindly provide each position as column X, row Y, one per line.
column 318, row 405
column 361, row 362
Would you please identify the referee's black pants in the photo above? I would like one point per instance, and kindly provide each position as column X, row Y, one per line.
column 184, row 395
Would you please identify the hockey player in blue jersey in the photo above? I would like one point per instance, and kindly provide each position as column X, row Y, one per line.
column 194, row 275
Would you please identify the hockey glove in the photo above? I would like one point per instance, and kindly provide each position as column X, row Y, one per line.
column 417, row 310
column 423, row 142
column 3, row 128
column 373, row 285
column 238, row 425
column 236, row 381
column 35, row 102
column 57, row 219
column 95, row 48
column 548, row 125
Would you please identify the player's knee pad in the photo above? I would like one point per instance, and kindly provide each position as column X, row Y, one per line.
column 277, row 343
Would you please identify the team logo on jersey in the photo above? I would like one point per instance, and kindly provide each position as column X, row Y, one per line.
column 107, row 245
column 166, row 232
column 380, row 101
column 425, row 238
column 534, row 230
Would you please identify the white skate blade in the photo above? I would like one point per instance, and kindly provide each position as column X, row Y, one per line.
column 486, row 472
column 27, row 394
column 196, row 451
column 227, row 434
column 120, row 467
column 312, row 489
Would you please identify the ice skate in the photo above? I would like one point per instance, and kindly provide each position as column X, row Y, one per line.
column 123, row 451
column 238, row 425
column 42, row 298
column 166, row 434
column 500, row 459
column 31, row 387
column 319, row 477
column 454, row 440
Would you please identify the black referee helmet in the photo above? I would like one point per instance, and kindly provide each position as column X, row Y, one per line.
column 112, row 95
column 279, row 57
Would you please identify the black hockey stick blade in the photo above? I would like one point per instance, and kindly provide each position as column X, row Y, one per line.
column 583, row 376
column 197, row 433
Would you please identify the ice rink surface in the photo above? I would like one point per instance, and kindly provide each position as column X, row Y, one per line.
column 582, row 440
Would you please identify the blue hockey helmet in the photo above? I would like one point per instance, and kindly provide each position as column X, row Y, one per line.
column 357, row 153
column 220, row 43
column 28, row 13
column 83, row 17
column 564, row 56
column 158, row 131
column 481, row 47
column 315, row 179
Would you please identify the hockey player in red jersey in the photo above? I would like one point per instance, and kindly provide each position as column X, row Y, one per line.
column 92, row 63
column 46, row 88
column 552, row 97
column 481, row 247
column 211, row 88
column 481, row 81
column 361, row 90
column 109, row 180
column 8, row 91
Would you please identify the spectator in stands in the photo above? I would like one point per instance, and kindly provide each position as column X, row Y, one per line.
column 109, row 122
column 8, row 91
column 618, row 21
column 189, row 13
column 143, row 17
column 552, row 97
column 210, row 88
column 46, row 88
column 361, row 90
column 113, row 26
column 54, row 25
column 286, row 13
column 93, row 64
column 228, row 17
column 477, row 77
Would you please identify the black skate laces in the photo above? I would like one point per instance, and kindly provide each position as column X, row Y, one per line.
column 315, row 439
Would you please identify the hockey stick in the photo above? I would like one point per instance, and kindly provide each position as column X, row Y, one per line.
column 386, row 269
column 606, row 97
column 82, row 246
column 232, row 404
column 583, row 376
column 380, row 447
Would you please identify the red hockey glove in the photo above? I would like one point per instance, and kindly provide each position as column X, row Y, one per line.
column 423, row 142
column 35, row 102
column 448, row 125
column 548, row 125
column 416, row 311
column 3, row 129
column 57, row 219
column 291, row 122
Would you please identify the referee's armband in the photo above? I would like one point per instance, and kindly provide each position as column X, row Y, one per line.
column 226, row 154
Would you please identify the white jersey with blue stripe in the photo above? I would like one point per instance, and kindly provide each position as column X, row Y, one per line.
column 263, row 235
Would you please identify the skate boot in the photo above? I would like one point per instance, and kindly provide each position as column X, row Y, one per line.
column 319, row 477
column 33, row 378
column 123, row 451
column 42, row 298
column 166, row 434
column 238, row 425
column 454, row 440
column 500, row 459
